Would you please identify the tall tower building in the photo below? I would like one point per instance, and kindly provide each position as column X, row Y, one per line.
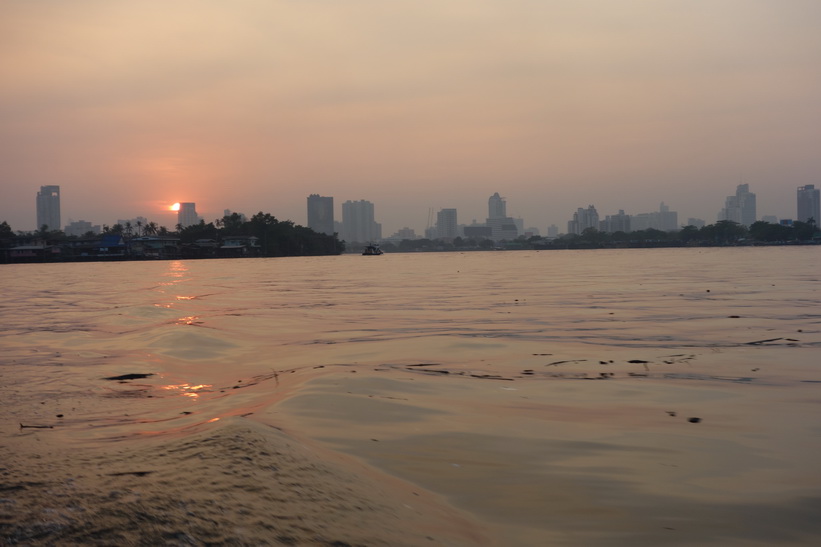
column 48, row 207
column 187, row 215
column 358, row 222
column 502, row 226
column 740, row 208
column 446, row 226
column 668, row 220
column 809, row 204
column 583, row 219
column 321, row 214
column 496, row 206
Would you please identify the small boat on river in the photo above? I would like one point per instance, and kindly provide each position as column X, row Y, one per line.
column 372, row 250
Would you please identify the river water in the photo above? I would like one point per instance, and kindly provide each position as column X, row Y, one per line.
column 614, row 397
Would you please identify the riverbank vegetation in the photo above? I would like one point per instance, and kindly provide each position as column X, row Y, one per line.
column 229, row 237
column 722, row 233
column 263, row 235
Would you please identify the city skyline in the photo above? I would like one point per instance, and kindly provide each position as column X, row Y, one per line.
column 320, row 214
column 554, row 105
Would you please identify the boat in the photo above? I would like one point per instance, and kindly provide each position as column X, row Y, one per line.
column 372, row 250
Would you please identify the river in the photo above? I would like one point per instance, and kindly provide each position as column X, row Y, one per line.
column 613, row 397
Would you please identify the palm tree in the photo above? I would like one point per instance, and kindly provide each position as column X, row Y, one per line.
column 150, row 229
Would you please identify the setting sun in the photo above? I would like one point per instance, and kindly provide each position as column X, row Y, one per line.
column 175, row 207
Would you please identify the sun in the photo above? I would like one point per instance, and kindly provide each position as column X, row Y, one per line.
column 175, row 207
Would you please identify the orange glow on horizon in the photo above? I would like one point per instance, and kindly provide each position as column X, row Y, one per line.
column 175, row 207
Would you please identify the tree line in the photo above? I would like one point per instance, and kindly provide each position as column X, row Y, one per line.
column 723, row 232
column 275, row 237
column 284, row 238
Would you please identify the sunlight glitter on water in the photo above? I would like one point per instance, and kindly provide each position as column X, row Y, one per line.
column 188, row 390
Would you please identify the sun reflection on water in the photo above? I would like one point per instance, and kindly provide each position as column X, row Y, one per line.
column 187, row 390
column 177, row 271
column 188, row 320
column 176, row 268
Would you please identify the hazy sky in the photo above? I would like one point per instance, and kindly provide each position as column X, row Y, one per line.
column 130, row 106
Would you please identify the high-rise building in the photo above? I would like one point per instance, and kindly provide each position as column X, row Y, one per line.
column 740, row 208
column 582, row 220
column 668, row 220
column 403, row 233
column 496, row 206
column 502, row 227
column 187, row 215
column 809, row 204
column 321, row 214
column 80, row 228
column 446, row 225
column 616, row 223
column 358, row 222
column 48, row 207
column 664, row 219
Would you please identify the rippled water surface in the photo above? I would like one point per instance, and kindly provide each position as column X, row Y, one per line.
column 581, row 397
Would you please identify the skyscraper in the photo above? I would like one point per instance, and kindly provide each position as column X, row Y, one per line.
column 664, row 219
column 358, row 222
column 48, row 207
column 321, row 214
column 496, row 206
column 740, row 208
column 502, row 226
column 583, row 219
column 668, row 220
column 809, row 204
column 446, row 226
column 616, row 223
column 187, row 215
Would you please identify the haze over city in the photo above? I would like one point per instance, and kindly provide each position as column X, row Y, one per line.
column 252, row 106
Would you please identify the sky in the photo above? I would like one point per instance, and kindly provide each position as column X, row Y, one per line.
column 252, row 105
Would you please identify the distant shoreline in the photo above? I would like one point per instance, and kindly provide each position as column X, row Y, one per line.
column 557, row 247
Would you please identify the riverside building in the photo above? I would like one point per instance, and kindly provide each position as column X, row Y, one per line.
column 808, row 203
column 187, row 215
column 321, row 214
column 48, row 207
